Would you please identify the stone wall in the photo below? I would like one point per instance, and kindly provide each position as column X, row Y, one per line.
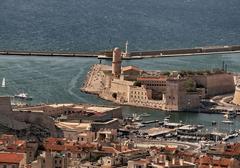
column 178, row 99
column 216, row 84
column 236, row 98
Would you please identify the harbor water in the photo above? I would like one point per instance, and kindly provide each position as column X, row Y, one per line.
column 73, row 25
column 58, row 80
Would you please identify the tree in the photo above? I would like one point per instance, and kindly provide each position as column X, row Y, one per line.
column 137, row 83
column 190, row 86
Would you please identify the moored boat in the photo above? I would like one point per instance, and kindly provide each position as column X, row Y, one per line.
column 3, row 83
column 23, row 96
column 231, row 114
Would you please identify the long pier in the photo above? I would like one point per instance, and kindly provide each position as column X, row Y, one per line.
column 49, row 53
column 133, row 54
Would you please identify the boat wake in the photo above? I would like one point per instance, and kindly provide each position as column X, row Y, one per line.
column 72, row 85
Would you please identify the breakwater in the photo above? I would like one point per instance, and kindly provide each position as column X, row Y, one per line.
column 132, row 54
column 188, row 51
column 49, row 53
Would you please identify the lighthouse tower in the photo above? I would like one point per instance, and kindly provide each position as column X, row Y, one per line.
column 116, row 62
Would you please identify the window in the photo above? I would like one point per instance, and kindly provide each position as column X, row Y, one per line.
column 4, row 166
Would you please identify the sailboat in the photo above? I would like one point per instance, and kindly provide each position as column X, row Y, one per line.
column 3, row 83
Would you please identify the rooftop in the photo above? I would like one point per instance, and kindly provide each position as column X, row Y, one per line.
column 13, row 158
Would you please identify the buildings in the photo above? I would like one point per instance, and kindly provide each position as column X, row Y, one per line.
column 12, row 160
column 236, row 97
column 171, row 91
column 181, row 94
column 83, row 112
column 103, row 148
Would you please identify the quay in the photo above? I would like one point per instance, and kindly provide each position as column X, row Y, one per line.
column 197, row 51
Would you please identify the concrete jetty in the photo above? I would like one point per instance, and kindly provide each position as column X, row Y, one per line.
column 49, row 53
column 197, row 51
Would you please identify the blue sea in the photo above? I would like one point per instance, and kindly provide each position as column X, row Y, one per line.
column 83, row 25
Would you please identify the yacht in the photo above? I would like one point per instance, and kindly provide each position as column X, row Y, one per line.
column 227, row 122
column 23, row 96
column 231, row 114
column 3, row 83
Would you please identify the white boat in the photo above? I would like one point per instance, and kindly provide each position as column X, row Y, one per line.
column 136, row 117
column 3, row 83
column 145, row 115
column 23, row 96
column 166, row 120
column 167, row 117
column 227, row 122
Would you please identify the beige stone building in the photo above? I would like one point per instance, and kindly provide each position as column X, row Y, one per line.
column 236, row 97
column 177, row 96
column 215, row 83
column 156, row 84
column 154, row 89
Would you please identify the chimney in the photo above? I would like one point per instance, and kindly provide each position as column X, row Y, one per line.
column 161, row 159
column 173, row 161
column 181, row 161
column 166, row 163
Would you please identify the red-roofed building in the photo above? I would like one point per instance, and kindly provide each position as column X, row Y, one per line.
column 130, row 73
column 226, row 150
column 156, row 84
column 217, row 162
column 12, row 160
column 10, row 143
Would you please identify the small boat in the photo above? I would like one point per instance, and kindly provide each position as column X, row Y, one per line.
column 150, row 122
column 23, row 96
column 167, row 117
column 3, row 83
column 200, row 126
column 227, row 122
column 138, row 125
column 145, row 115
column 231, row 114
column 214, row 123
column 166, row 120
column 136, row 117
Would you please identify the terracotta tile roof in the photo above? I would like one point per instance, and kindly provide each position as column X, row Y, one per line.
column 11, row 158
column 142, row 161
column 20, row 142
column 59, row 144
column 109, row 150
column 217, row 162
column 127, row 68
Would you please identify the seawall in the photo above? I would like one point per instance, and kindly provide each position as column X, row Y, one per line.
column 133, row 54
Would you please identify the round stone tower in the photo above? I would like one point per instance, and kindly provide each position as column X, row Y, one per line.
column 116, row 62
column 236, row 97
